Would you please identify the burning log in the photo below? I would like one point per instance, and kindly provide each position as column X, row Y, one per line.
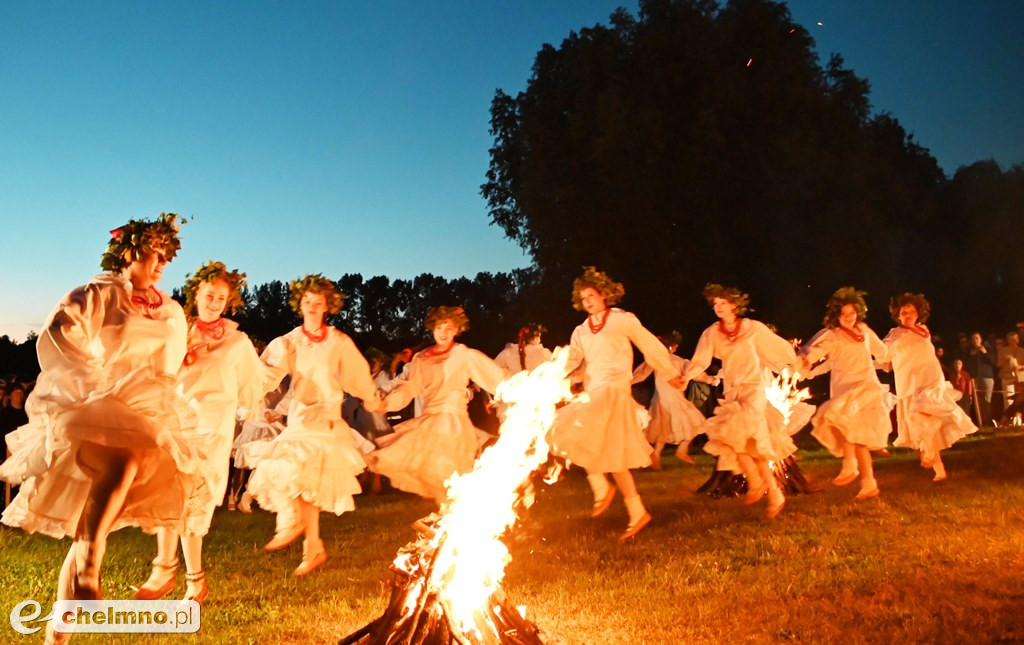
column 446, row 584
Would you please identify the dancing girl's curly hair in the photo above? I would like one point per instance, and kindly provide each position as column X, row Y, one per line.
column 842, row 297
column 132, row 241
column 906, row 298
column 732, row 294
column 316, row 283
column 438, row 315
column 600, row 282
column 210, row 272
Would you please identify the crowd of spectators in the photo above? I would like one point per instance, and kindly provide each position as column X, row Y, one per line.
column 12, row 416
column 988, row 370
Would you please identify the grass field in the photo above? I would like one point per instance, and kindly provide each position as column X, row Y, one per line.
column 925, row 562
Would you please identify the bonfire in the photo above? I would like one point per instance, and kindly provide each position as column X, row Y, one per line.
column 447, row 583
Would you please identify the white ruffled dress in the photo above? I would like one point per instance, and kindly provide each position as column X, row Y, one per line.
column 859, row 404
column 744, row 422
column 603, row 431
column 674, row 419
column 108, row 368
column 928, row 418
column 223, row 375
column 315, row 458
column 425, row 451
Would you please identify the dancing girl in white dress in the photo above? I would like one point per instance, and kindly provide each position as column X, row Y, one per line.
column 855, row 419
column 526, row 353
column 604, row 434
column 108, row 443
column 426, row 450
column 312, row 465
column 220, row 374
column 674, row 419
column 746, row 433
column 927, row 416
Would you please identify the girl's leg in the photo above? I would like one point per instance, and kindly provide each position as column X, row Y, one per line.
column 313, row 552
column 868, row 485
column 112, row 471
column 288, row 526
column 659, row 446
column 638, row 515
column 683, row 453
column 939, row 467
column 757, row 485
column 162, row 579
column 195, row 575
column 604, row 493
column 848, row 472
column 776, row 499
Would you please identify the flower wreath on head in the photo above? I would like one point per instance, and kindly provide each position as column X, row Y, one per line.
column 842, row 297
column 208, row 273
column 316, row 283
column 920, row 303
column 437, row 315
column 600, row 282
column 132, row 241
column 529, row 331
column 732, row 294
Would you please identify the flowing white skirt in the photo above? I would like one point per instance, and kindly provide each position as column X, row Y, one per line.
column 603, row 431
column 317, row 463
column 674, row 419
column 860, row 415
column 930, row 420
column 745, row 423
column 140, row 411
column 423, row 452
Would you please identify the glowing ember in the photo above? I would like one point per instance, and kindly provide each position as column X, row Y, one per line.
column 452, row 575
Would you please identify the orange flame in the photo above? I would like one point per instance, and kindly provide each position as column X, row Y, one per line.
column 467, row 558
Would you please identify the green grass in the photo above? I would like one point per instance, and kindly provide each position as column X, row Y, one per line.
column 924, row 563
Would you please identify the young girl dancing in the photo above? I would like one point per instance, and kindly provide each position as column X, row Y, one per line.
column 220, row 374
column 603, row 434
column 425, row 451
column 526, row 353
column 927, row 416
column 740, row 432
column 108, row 443
column 855, row 419
column 674, row 419
column 312, row 465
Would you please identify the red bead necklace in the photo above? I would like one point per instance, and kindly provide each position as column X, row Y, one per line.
column 214, row 330
column 146, row 302
column 734, row 334
column 853, row 333
column 598, row 327
column 434, row 351
column 919, row 330
column 318, row 336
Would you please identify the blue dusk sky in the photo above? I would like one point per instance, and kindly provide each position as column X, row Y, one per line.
column 352, row 137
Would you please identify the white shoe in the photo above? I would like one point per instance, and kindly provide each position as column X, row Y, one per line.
column 245, row 504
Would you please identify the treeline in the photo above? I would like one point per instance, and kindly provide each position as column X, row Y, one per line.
column 388, row 314
column 702, row 142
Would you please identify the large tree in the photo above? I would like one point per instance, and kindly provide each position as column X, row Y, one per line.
column 701, row 142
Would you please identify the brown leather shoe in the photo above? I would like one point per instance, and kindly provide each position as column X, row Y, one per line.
column 602, row 506
column 633, row 529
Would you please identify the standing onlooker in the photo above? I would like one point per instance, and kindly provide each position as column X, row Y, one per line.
column 964, row 384
column 1010, row 360
column 980, row 363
